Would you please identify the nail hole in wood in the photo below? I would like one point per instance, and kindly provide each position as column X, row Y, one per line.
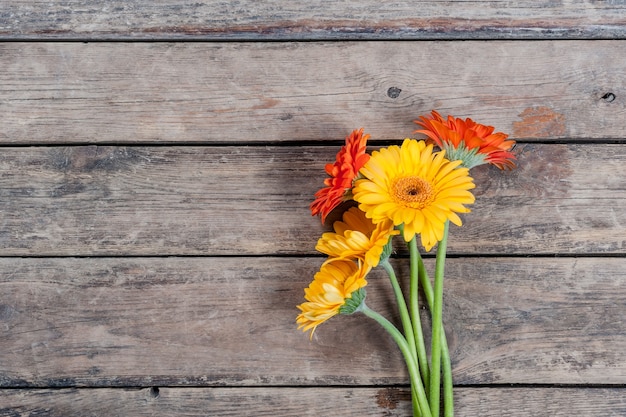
column 608, row 97
column 393, row 92
column 154, row 392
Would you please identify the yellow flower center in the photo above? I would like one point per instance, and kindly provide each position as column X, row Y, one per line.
column 413, row 191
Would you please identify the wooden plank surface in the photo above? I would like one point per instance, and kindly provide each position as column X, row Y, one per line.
column 173, row 255
column 289, row 402
column 316, row 19
column 111, row 322
column 237, row 200
column 284, row 92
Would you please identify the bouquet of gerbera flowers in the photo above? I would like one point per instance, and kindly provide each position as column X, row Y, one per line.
column 412, row 190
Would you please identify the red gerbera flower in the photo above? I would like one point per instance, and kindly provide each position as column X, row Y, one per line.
column 466, row 140
column 350, row 158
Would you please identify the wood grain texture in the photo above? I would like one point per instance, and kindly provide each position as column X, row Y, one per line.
column 212, row 331
column 289, row 402
column 111, row 322
column 137, row 201
column 284, row 92
column 313, row 20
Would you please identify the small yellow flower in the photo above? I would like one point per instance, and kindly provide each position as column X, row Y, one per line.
column 331, row 287
column 357, row 237
column 413, row 186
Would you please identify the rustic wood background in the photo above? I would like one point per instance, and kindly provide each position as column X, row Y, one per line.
column 157, row 159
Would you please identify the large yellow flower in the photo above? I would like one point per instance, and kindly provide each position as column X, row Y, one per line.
column 331, row 287
column 413, row 186
column 357, row 237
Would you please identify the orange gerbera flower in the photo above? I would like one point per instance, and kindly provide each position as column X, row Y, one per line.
column 468, row 141
column 350, row 158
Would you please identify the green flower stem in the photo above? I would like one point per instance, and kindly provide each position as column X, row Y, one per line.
column 404, row 311
column 448, row 399
column 415, row 312
column 445, row 353
column 420, row 405
column 437, row 326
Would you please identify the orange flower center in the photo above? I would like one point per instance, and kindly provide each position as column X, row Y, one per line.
column 414, row 192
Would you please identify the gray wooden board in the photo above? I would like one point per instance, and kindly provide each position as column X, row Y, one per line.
column 104, row 322
column 235, row 200
column 289, row 402
column 213, row 331
column 316, row 19
column 319, row 91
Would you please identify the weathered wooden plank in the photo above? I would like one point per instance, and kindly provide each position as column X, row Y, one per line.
column 94, row 200
column 106, row 322
column 276, row 92
column 288, row 402
column 317, row 19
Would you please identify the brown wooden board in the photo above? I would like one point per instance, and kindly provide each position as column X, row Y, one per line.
column 172, row 254
column 113, row 322
column 289, row 402
column 311, row 20
column 285, row 92
column 236, row 200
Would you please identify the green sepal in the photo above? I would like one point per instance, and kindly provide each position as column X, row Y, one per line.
column 354, row 303
column 470, row 157
column 387, row 251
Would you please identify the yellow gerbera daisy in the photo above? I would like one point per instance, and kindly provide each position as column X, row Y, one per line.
column 331, row 287
column 357, row 237
column 413, row 186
